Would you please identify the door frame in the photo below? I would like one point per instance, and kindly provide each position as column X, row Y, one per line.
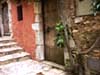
column 9, row 18
column 39, row 22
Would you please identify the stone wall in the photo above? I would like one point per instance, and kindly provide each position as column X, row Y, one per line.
column 85, row 29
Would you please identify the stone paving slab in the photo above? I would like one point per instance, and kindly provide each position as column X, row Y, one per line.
column 29, row 67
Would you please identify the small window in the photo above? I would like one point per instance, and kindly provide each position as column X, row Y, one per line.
column 18, row 1
column 84, row 7
column 19, row 13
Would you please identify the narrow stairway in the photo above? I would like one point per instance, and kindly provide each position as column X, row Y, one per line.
column 10, row 51
column 15, row 61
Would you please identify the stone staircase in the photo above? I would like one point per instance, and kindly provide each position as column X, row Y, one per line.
column 14, row 61
column 11, row 52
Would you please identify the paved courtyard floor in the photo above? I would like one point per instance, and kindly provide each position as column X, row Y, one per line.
column 29, row 67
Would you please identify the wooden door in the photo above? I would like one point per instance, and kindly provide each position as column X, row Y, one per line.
column 5, row 19
column 50, row 18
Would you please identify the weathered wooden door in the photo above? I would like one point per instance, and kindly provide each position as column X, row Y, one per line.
column 5, row 19
column 50, row 18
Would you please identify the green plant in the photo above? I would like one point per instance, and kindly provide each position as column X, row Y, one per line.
column 96, row 6
column 60, row 38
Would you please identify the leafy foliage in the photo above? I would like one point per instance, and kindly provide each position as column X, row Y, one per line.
column 96, row 6
column 60, row 38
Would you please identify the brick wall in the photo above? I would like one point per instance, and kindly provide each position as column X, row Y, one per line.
column 22, row 30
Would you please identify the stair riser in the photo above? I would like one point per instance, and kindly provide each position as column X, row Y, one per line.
column 15, row 60
column 11, row 52
column 7, row 46
column 6, row 41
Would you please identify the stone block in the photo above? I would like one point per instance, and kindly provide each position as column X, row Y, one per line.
column 35, row 26
column 39, row 52
column 37, row 7
column 78, row 19
column 37, row 18
column 39, row 38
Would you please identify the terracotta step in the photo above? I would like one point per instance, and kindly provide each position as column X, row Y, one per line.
column 9, row 44
column 13, row 57
column 11, row 50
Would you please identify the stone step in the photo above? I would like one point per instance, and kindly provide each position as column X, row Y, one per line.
column 9, row 44
column 15, row 60
column 13, row 57
column 6, row 39
column 54, row 65
column 11, row 50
